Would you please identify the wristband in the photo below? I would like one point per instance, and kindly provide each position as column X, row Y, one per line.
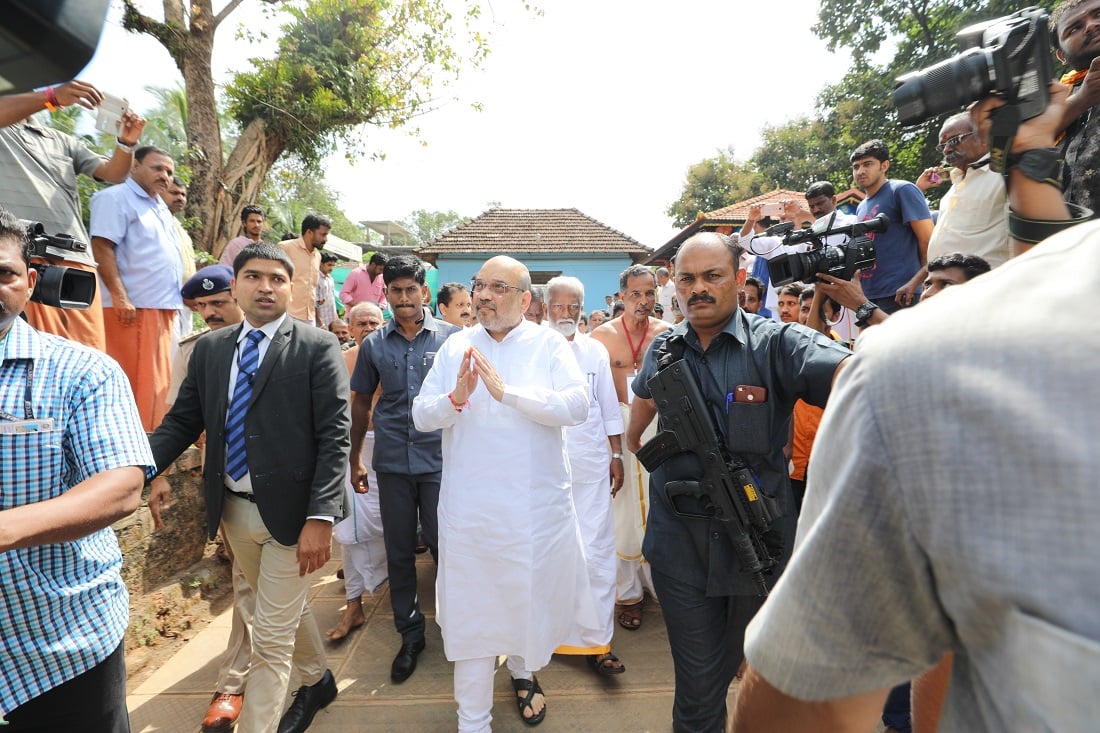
column 51, row 100
column 1033, row 231
column 457, row 405
column 1038, row 164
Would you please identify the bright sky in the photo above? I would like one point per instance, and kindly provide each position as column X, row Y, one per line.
column 599, row 105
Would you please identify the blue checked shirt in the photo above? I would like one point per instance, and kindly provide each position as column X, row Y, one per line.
column 63, row 607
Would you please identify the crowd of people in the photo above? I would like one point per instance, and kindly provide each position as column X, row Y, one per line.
column 917, row 505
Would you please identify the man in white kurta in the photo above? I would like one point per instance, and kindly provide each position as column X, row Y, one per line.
column 597, row 473
column 511, row 579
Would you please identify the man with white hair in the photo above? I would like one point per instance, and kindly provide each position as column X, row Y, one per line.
column 593, row 471
column 666, row 294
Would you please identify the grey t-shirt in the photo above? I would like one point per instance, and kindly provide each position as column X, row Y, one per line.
column 952, row 506
column 38, row 170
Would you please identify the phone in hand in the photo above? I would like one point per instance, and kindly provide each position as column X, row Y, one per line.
column 109, row 115
column 773, row 208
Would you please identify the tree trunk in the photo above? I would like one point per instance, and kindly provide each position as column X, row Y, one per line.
column 204, row 138
column 241, row 179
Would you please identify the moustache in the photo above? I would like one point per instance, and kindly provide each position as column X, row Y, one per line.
column 701, row 298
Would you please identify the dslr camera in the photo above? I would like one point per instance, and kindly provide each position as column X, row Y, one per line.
column 839, row 260
column 1008, row 55
column 59, row 286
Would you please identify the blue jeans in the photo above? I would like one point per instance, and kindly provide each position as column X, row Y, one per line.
column 707, row 638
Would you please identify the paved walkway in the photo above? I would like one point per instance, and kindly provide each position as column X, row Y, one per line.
column 174, row 698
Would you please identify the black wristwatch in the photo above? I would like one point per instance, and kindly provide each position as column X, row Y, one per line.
column 864, row 312
column 1038, row 164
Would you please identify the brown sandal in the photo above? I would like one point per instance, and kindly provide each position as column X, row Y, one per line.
column 630, row 616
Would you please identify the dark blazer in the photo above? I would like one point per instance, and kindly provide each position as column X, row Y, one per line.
column 296, row 428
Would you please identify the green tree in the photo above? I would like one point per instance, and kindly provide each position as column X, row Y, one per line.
column 713, row 183
column 923, row 32
column 795, row 154
column 340, row 64
column 294, row 189
column 430, row 224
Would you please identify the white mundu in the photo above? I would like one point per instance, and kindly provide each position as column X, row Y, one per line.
column 589, row 460
column 512, row 578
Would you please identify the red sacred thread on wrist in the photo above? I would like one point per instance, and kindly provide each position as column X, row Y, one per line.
column 51, row 100
column 457, row 405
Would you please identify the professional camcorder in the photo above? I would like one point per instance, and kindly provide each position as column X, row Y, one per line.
column 839, row 260
column 59, row 286
column 1009, row 55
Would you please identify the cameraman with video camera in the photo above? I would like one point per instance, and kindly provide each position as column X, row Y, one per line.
column 73, row 459
column 38, row 169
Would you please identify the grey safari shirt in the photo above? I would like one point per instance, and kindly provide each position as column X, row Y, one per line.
column 388, row 359
column 790, row 362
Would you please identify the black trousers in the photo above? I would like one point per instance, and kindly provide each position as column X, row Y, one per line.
column 93, row 701
column 405, row 498
column 707, row 637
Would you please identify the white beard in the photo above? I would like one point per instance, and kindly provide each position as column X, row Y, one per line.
column 566, row 327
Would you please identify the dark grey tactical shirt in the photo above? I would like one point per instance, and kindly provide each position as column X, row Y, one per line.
column 790, row 362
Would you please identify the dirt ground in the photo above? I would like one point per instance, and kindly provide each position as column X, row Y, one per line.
column 164, row 620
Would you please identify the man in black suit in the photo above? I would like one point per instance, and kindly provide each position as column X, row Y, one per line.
column 272, row 398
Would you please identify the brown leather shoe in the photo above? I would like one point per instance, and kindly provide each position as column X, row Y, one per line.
column 222, row 713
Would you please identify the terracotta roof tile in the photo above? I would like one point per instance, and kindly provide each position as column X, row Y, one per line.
column 740, row 210
column 533, row 230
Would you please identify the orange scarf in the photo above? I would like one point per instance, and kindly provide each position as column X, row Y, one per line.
column 1071, row 78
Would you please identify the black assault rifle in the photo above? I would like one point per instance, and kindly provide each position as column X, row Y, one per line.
column 727, row 490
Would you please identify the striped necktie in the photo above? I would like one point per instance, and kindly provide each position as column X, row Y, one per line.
column 236, row 458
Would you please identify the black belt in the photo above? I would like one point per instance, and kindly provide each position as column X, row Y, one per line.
column 242, row 495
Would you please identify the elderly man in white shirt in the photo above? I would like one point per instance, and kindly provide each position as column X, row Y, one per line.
column 594, row 470
column 512, row 578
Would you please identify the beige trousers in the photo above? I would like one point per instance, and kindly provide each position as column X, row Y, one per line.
column 284, row 632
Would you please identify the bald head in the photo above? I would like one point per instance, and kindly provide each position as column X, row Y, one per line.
column 500, row 312
column 363, row 318
column 713, row 240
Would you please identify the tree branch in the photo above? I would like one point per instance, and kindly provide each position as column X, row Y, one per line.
column 168, row 36
column 229, row 8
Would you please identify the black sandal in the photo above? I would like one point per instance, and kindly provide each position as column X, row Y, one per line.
column 605, row 664
column 532, row 688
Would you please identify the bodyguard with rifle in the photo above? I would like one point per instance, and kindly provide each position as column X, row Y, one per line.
column 721, row 525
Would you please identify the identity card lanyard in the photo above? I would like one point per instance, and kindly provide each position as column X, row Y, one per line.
column 13, row 425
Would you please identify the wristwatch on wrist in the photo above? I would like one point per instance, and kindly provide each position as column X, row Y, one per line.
column 616, row 455
column 864, row 312
column 1038, row 164
column 126, row 148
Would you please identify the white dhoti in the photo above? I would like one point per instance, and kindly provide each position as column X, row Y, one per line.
column 593, row 505
column 360, row 533
column 631, row 510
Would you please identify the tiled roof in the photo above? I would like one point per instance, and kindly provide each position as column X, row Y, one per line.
column 740, row 210
column 532, row 230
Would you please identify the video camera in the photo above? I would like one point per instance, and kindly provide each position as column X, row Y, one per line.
column 1008, row 55
column 839, row 260
column 59, row 286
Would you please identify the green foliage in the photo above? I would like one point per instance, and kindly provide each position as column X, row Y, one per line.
column 713, row 183
column 430, row 224
column 798, row 153
column 294, row 189
column 342, row 63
